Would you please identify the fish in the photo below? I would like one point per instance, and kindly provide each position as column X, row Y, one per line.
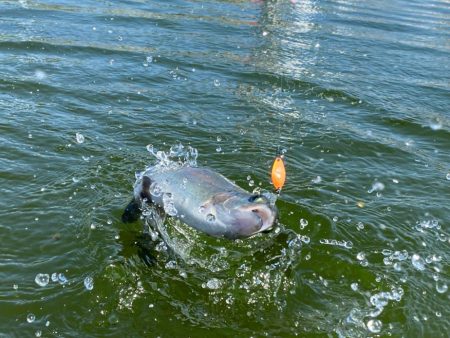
column 204, row 200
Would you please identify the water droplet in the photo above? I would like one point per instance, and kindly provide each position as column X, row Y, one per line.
column 418, row 262
column 303, row 223
column 38, row 333
column 89, row 283
column 438, row 314
column 216, row 83
column 335, row 219
column 448, row 176
column 214, row 284
column 377, row 186
column 30, row 318
column 251, row 183
column 47, row 323
column 354, row 286
column 374, row 325
column 441, row 287
column 316, row 180
column 79, row 137
column 360, row 226
column 54, row 277
column 201, row 209
column 171, row 265
column 42, row 279
column 169, row 206
column 210, row 218
column 305, row 239
column 219, row 149
column 61, row 278
column 219, row 138
column 360, row 256
column 15, row 286
column 155, row 189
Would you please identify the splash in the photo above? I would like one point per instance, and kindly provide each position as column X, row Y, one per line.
column 177, row 156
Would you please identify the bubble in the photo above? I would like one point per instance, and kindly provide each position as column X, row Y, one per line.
column 38, row 333
column 216, row 83
column 155, row 189
column 360, row 256
column 374, row 325
column 447, row 176
column 15, row 286
column 335, row 219
column 219, row 149
column 89, row 283
column 360, row 226
column 303, row 223
column 418, row 262
column 441, row 287
column 210, row 218
column 201, row 209
column 47, row 323
column 219, row 138
column 42, row 279
column 348, row 245
column 79, row 137
column 214, row 284
column 54, row 277
column 354, row 286
column 30, row 318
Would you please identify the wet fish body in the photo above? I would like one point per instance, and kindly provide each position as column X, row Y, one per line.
column 204, row 200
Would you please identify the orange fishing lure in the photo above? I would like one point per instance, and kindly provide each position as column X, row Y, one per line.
column 278, row 173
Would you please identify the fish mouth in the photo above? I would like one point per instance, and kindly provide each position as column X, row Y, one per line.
column 265, row 215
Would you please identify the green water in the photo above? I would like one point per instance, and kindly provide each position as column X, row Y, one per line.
column 356, row 93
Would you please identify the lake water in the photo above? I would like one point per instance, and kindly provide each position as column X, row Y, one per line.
column 356, row 93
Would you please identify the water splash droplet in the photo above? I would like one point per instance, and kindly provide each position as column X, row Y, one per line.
column 374, row 325
column 89, row 283
column 30, row 318
column 155, row 189
column 210, row 218
column 418, row 262
column 169, row 206
column 377, row 186
column 62, row 278
column 79, row 137
column 303, row 223
column 441, row 287
column 42, row 279
column 214, row 284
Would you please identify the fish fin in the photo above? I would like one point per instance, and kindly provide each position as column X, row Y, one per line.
column 132, row 212
column 145, row 192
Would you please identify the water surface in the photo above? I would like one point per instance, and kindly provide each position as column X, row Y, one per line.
column 356, row 94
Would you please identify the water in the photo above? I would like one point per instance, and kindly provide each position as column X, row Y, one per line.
column 356, row 94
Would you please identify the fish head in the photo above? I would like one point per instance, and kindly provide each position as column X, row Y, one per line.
column 242, row 214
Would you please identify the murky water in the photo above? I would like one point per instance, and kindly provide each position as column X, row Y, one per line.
column 356, row 93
